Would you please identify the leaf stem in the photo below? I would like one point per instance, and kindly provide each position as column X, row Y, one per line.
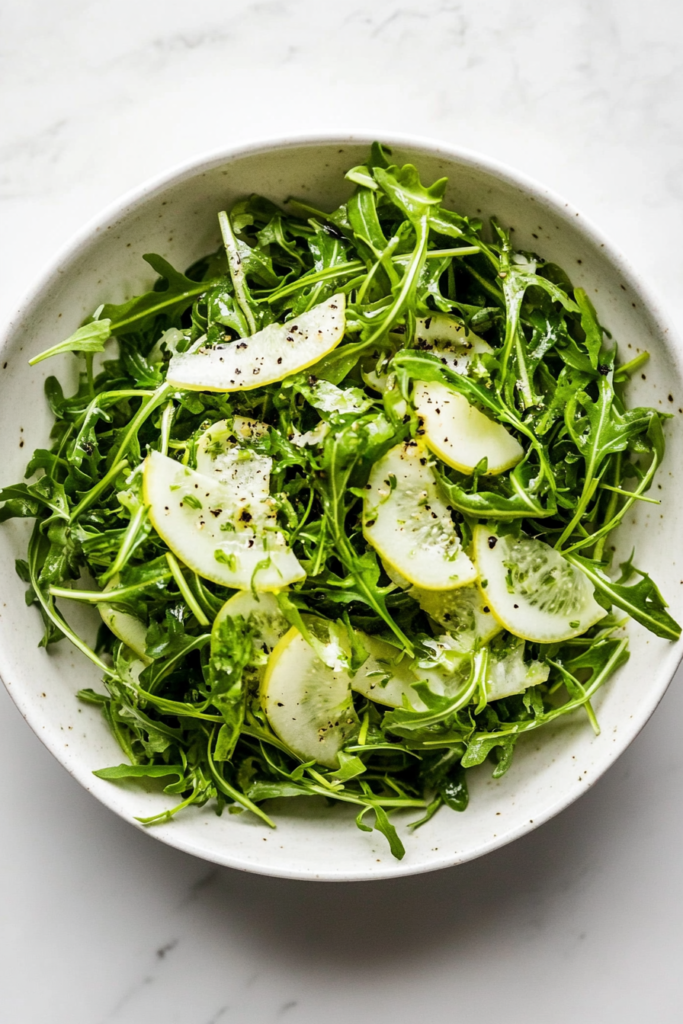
column 237, row 275
column 108, row 596
column 629, row 494
column 184, row 589
column 229, row 790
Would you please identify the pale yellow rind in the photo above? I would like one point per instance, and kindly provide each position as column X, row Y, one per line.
column 460, row 435
column 410, row 524
column 521, row 609
column 269, row 355
column 195, row 534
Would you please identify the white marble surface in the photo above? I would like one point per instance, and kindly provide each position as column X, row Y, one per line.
column 580, row 920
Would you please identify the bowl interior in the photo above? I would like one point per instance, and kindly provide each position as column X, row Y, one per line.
column 177, row 218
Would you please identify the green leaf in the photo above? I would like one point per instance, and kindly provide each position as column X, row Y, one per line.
column 383, row 825
column 141, row 771
column 591, row 326
column 137, row 366
column 20, row 503
column 403, row 187
column 642, row 600
column 454, row 792
column 173, row 294
column 89, row 338
column 361, row 176
column 362, row 207
column 350, row 766
column 273, row 790
column 231, row 652
column 491, row 505
column 598, row 428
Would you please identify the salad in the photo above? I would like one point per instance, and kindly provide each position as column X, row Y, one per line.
column 343, row 494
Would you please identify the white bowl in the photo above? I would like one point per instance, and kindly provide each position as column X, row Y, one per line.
column 176, row 216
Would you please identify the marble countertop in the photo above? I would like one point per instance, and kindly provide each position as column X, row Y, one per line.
column 581, row 919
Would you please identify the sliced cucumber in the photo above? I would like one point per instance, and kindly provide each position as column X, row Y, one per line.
column 461, row 611
column 407, row 521
column 263, row 614
column 308, row 704
column 265, row 357
column 128, row 628
column 460, row 434
column 447, row 665
column 512, row 674
column 211, row 531
column 385, row 677
column 532, row 590
column 244, row 472
column 449, row 340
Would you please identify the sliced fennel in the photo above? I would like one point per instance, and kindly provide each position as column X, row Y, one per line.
column 211, row 530
column 407, row 521
column 532, row 590
column 267, row 356
column 460, row 434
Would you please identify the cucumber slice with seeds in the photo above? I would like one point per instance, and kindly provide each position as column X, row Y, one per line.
column 407, row 521
column 461, row 611
column 532, row 590
column 308, row 703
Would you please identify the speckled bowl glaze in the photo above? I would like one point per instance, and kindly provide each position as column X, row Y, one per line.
column 175, row 215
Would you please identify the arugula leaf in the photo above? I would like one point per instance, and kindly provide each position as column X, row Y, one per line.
column 642, row 600
column 141, row 771
column 590, row 325
column 171, row 296
column 524, row 503
column 20, row 502
column 88, row 338
column 598, row 429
